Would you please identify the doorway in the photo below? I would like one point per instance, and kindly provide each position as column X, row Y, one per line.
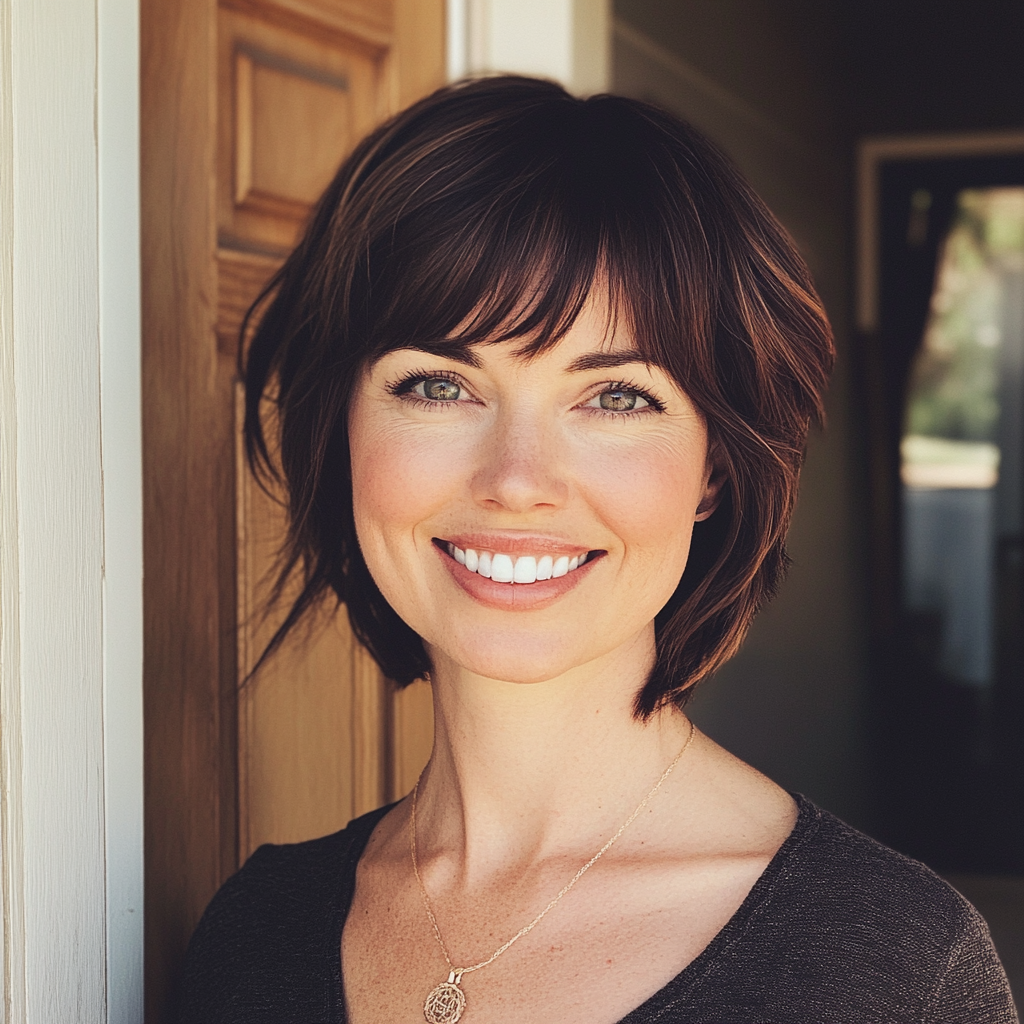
column 945, row 382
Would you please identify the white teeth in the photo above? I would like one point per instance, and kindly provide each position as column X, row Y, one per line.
column 525, row 570
column 502, row 570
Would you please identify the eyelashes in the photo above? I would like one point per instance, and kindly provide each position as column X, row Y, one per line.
column 405, row 387
column 404, row 384
column 654, row 404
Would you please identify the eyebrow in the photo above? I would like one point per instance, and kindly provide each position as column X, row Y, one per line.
column 587, row 361
column 606, row 360
column 448, row 351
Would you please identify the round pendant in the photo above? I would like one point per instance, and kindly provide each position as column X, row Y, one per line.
column 445, row 1004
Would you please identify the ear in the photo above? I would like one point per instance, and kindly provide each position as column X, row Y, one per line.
column 713, row 485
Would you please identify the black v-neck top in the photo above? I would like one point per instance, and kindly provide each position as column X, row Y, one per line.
column 837, row 930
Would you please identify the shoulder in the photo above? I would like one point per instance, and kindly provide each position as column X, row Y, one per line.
column 270, row 937
column 280, row 885
column 289, row 871
column 844, row 920
column 841, row 874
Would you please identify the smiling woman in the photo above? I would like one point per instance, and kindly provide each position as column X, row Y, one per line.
column 513, row 479
column 543, row 371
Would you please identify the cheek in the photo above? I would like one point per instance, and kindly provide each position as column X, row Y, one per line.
column 648, row 494
column 401, row 474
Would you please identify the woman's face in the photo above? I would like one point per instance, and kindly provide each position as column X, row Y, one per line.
column 526, row 516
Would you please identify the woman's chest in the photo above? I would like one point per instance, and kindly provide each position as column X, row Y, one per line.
column 604, row 951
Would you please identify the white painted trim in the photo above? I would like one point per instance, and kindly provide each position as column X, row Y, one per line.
column 121, row 397
column 871, row 153
column 70, row 513
column 12, row 978
column 456, row 39
column 567, row 40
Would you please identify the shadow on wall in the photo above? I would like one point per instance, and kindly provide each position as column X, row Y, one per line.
column 787, row 89
column 790, row 702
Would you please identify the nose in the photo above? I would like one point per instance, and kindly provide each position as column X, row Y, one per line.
column 521, row 466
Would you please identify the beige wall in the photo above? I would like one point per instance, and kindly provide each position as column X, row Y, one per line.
column 759, row 85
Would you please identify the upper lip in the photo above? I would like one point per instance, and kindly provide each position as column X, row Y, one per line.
column 516, row 543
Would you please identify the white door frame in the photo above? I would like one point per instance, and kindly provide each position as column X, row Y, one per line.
column 871, row 154
column 567, row 40
column 70, row 513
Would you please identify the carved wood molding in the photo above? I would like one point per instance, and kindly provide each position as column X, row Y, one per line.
column 346, row 21
column 240, row 278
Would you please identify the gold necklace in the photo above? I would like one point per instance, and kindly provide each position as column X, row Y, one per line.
column 447, row 1002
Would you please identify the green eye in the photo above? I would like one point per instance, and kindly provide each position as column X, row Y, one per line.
column 437, row 389
column 619, row 400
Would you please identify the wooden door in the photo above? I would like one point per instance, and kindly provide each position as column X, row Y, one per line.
column 248, row 106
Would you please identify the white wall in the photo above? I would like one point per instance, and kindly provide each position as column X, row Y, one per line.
column 568, row 40
column 70, row 513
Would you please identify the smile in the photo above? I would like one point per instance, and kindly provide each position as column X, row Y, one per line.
column 502, row 568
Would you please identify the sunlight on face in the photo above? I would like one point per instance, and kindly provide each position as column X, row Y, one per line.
column 527, row 516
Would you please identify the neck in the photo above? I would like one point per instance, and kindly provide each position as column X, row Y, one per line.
column 521, row 771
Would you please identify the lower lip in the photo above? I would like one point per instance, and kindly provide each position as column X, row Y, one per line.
column 516, row 597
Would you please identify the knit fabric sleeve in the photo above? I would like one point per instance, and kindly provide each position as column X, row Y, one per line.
column 972, row 988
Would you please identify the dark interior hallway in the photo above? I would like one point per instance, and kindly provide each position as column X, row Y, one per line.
column 789, row 89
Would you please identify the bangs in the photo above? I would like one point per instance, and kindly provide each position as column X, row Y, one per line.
column 493, row 300
column 513, row 229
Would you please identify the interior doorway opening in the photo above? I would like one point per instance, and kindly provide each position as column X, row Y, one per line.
column 946, row 393
column 961, row 447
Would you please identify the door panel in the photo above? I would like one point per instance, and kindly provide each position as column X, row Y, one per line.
column 247, row 110
column 291, row 105
column 311, row 724
column 240, row 277
column 311, row 721
column 412, row 736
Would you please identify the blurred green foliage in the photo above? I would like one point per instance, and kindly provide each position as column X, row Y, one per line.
column 954, row 382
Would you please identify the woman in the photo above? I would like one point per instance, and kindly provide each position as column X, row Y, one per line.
column 544, row 371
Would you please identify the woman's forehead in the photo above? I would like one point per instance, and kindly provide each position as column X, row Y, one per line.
column 599, row 333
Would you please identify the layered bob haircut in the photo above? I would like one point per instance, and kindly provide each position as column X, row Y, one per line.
column 486, row 213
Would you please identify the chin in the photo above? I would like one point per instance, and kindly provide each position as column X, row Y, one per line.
column 514, row 657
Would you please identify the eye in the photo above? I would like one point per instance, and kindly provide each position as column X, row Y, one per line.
column 438, row 389
column 619, row 398
column 431, row 389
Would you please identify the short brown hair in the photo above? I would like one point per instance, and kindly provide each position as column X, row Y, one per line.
column 485, row 212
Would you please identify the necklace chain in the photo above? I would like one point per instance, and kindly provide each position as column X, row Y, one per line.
column 458, row 972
